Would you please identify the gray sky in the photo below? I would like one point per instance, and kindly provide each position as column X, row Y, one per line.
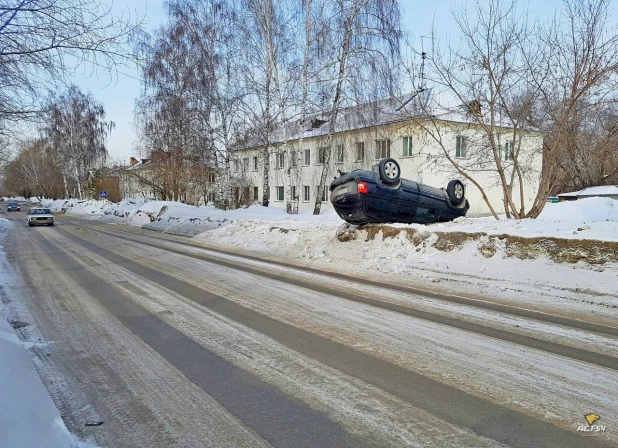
column 119, row 95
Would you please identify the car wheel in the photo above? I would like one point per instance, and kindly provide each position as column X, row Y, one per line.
column 456, row 192
column 51, row 223
column 389, row 171
column 30, row 224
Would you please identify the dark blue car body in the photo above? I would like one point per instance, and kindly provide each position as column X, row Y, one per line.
column 13, row 207
column 404, row 201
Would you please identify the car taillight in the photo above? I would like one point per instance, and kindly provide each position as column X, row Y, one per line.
column 362, row 188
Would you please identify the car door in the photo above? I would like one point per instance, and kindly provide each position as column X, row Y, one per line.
column 404, row 201
column 377, row 201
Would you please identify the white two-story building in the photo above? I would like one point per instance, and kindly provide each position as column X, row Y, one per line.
column 431, row 149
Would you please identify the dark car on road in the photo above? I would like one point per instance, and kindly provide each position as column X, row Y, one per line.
column 13, row 207
column 381, row 196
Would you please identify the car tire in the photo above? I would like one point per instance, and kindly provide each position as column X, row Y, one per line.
column 456, row 192
column 51, row 224
column 30, row 224
column 389, row 171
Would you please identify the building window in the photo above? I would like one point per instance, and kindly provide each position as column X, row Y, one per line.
column 280, row 194
column 407, row 147
column 339, row 153
column 256, row 193
column 211, row 197
column 255, row 163
column 212, row 178
column 508, row 150
column 294, row 197
column 306, row 193
column 306, row 157
column 461, row 144
column 322, row 155
column 383, row 149
column 360, row 151
column 292, row 158
column 323, row 197
column 280, row 157
column 245, row 164
column 245, row 194
column 236, row 166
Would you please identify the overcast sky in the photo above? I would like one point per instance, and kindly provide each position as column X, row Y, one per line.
column 118, row 96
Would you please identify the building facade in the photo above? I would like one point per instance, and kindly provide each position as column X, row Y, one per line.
column 429, row 150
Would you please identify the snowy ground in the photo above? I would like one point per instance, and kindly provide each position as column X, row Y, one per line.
column 28, row 416
column 570, row 250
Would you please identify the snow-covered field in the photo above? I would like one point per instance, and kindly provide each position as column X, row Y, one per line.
column 570, row 250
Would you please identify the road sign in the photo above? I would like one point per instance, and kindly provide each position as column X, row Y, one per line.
column 103, row 194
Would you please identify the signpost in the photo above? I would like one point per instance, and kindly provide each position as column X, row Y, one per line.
column 103, row 194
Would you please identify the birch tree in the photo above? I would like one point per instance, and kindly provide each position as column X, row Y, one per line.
column 77, row 131
column 365, row 34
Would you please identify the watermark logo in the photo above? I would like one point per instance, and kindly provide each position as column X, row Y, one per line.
column 591, row 418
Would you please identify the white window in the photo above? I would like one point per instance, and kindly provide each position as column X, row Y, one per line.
column 322, row 155
column 294, row 197
column 508, row 150
column 383, row 149
column 279, row 191
column 211, row 197
column 306, row 157
column 245, row 164
column 255, row 163
column 339, row 153
column 306, row 193
column 407, row 147
column 280, row 158
column 212, row 178
column 360, row 151
column 461, row 143
column 292, row 158
column 323, row 197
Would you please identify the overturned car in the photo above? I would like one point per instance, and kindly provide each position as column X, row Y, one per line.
column 381, row 196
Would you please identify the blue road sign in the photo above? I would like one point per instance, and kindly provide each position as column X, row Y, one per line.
column 103, row 194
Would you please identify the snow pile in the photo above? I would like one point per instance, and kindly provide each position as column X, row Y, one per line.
column 175, row 217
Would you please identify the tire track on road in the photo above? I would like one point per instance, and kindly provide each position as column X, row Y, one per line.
column 446, row 402
column 516, row 338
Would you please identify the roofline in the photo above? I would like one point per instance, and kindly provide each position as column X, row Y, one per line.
column 246, row 148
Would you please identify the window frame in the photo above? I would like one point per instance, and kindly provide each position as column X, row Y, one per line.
column 279, row 189
column 306, row 193
column 339, row 154
column 382, row 146
column 508, row 152
column 255, row 163
column 293, row 192
column 256, row 193
column 293, row 161
column 279, row 160
column 236, row 165
column 361, row 146
column 306, row 157
column 461, row 142
column 322, row 151
column 406, row 149
column 245, row 164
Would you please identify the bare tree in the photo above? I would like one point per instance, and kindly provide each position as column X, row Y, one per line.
column 43, row 41
column 577, row 80
column 77, row 131
column 362, row 32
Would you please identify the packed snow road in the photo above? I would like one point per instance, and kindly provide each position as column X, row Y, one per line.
column 172, row 344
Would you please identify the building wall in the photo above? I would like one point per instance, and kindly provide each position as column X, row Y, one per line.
column 426, row 163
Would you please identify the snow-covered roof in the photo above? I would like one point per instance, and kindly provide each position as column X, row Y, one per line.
column 603, row 190
column 381, row 112
column 416, row 105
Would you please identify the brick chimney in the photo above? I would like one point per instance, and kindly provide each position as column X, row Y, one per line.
column 133, row 161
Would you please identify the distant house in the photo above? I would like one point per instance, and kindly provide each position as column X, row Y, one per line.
column 394, row 128
column 603, row 191
column 169, row 176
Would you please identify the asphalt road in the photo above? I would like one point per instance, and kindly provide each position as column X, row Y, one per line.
column 171, row 344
